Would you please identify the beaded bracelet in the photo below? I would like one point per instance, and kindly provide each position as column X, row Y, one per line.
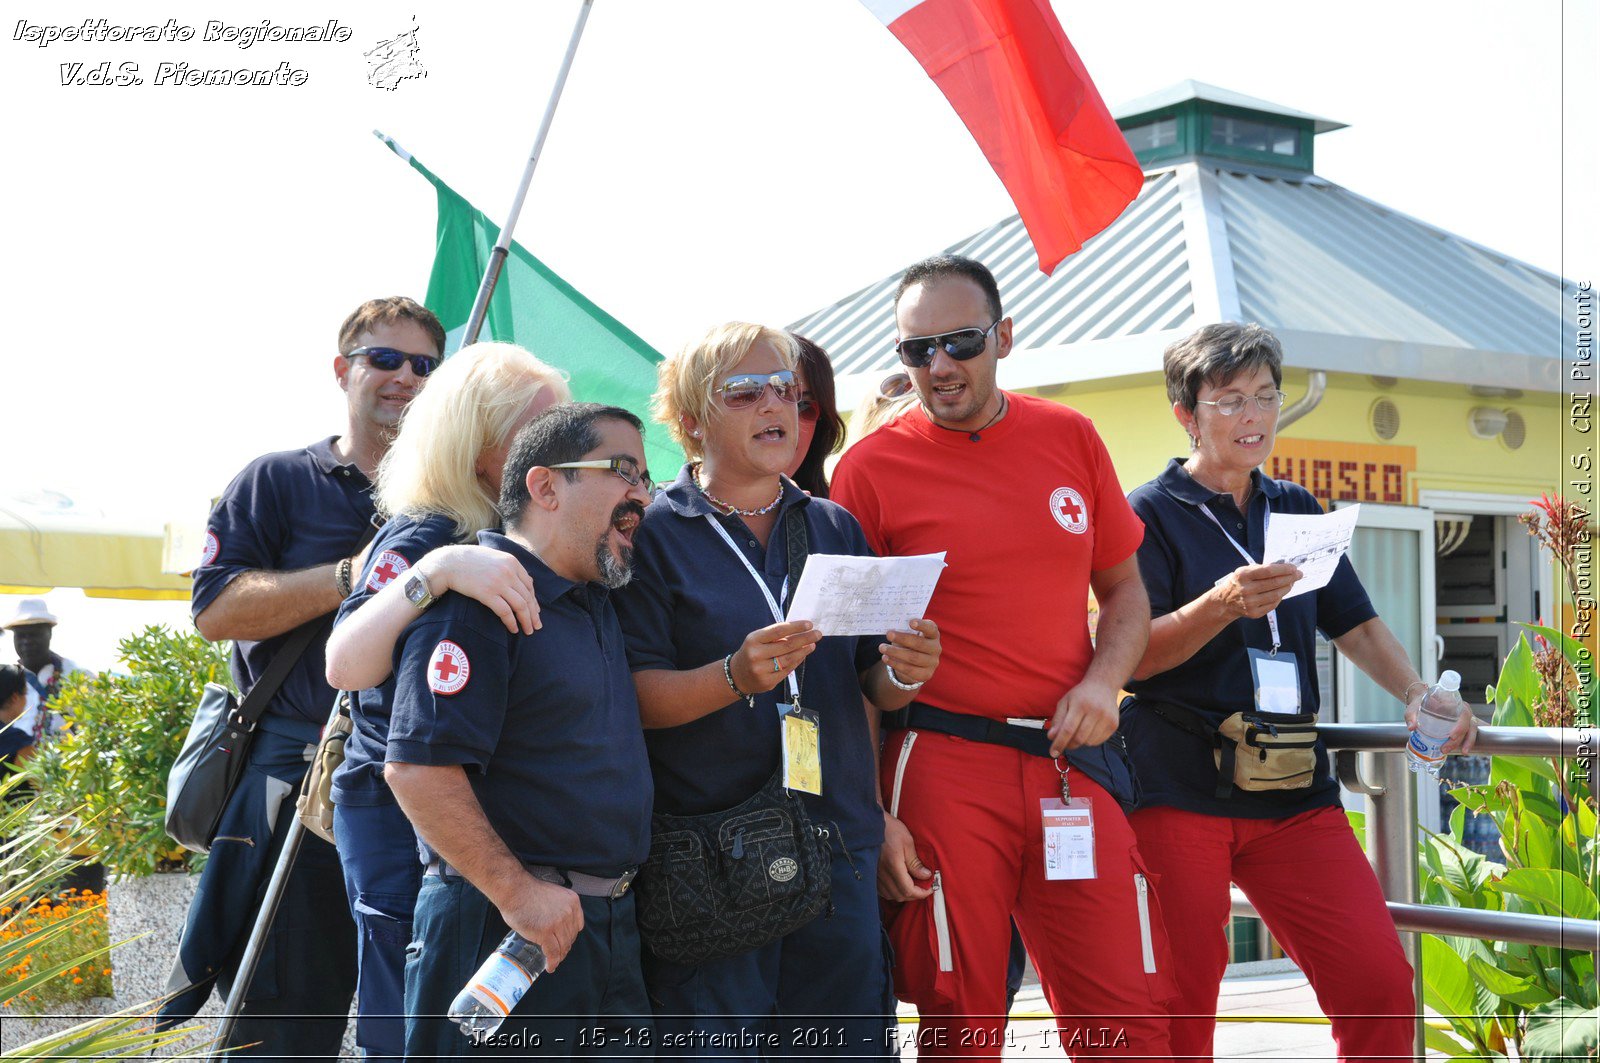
column 727, row 673
column 896, row 680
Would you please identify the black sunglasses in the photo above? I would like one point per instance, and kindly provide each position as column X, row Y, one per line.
column 388, row 359
column 918, row 352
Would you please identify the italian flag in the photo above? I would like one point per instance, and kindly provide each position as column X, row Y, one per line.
column 1023, row 93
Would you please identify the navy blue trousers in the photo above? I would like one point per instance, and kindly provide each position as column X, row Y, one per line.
column 382, row 873
column 820, row 992
column 594, row 1004
column 297, row 1005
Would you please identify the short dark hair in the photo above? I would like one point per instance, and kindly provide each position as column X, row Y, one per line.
column 386, row 312
column 941, row 266
column 818, row 373
column 12, row 682
column 565, row 432
column 1214, row 355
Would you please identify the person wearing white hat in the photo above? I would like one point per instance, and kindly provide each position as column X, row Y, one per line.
column 31, row 629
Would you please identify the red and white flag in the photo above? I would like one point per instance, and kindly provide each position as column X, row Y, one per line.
column 1020, row 88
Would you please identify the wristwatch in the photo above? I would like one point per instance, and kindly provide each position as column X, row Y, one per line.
column 417, row 591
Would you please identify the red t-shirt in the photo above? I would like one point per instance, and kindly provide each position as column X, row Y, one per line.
column 1023, row 515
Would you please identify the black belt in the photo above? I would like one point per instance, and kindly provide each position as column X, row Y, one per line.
column 922, row 717
column 581, row 883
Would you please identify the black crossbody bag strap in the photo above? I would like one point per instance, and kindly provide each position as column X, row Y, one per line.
column 261, row 693
column 1185, row 720
column 794, row 523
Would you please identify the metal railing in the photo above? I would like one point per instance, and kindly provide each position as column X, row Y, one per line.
column 1392, row 839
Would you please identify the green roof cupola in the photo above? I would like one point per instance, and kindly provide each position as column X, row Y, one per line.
column 1193, row 119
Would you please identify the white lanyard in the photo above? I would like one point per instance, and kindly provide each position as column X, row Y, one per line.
column 1266, row 520
column 772, row 603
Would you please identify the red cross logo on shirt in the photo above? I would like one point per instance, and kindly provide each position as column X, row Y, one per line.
column 448, row 668
column 389, row 567
column 1069, row 510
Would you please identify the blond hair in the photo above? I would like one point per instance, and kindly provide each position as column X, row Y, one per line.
column 686, row 379
column 469, row 406
column 873, row 412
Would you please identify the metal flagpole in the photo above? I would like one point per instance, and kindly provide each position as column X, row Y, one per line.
column 502, row 247
column 268, row 910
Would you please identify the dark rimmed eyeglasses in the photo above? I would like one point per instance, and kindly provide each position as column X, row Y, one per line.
column 963, row 344
column 626, row 468
column 745, row 390
column 389, row 359
column 1233, row 405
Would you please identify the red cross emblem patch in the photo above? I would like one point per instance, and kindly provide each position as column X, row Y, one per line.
column 1069, row 510
column 448, row 668
column 389, row 567
column 209, row 552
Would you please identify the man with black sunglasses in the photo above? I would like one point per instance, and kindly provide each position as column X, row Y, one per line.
column 1000, row 798
column 280, row 547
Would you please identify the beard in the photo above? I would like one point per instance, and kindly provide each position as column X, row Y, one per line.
column 615, row 572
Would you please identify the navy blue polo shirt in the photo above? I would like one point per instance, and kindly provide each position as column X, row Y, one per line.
column 1182, row 557
column 545, row 725
column 691, row 603
column 286, row 511
column 402, row 543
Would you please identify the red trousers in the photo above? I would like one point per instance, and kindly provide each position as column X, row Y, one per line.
column 1097, row 944
column 1314, row 888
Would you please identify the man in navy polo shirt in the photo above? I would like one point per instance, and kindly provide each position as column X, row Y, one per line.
column 279, row 549
column 521, row 761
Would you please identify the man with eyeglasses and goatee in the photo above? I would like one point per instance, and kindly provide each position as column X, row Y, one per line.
column 1000, row 797
column 280, row 547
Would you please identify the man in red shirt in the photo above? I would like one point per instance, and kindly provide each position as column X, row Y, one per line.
column 986, row 815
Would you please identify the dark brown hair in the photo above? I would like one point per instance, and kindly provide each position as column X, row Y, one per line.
column 818, row 373
column 375, row 312
column 1215, row 355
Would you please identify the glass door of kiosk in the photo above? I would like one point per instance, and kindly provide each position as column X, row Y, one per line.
column 1393, row 553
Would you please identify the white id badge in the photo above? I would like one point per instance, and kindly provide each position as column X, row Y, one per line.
column 1277, row 681
column 1068, row 838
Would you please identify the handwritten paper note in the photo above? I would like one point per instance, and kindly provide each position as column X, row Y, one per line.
column 865, row 595
column 1313, row 543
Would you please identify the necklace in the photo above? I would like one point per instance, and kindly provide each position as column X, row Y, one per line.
column 977, row 434
column 729, row 507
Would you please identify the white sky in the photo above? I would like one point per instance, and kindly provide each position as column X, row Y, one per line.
column 179, row 259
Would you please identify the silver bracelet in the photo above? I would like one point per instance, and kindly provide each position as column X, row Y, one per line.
column 727, row 673
column 896, row 679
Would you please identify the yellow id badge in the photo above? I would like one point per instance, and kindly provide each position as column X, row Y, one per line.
column 802, row 750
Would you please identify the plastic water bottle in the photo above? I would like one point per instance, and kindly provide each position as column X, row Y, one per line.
column 1436, row 718
column 486, row 1000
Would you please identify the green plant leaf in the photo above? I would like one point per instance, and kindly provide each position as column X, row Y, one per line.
column 1443, row 1041
column 1447, row 985
column 1560, row 892
column 1517, row 688
column 1523, row 991
column 1561, row 1030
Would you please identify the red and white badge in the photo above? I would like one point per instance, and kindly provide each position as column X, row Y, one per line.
column 448, row 668
column 209, row 553
column 1069, row 510
column 390, row 566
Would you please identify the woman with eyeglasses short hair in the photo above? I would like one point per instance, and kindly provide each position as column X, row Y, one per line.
column 437, row 487
column 714, row 664
column 1229, row 672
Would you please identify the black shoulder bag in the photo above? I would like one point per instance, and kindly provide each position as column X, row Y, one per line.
column 213, row 755
column 724, row 883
